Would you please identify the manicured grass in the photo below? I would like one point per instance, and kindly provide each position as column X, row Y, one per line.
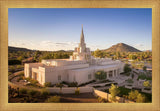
column 148, row 97
column 124, row 91
column 144, row 76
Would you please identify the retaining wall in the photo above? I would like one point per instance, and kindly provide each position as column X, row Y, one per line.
column 69, row 90
column 108, row 96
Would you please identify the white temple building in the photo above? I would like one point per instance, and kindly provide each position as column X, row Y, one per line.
column 80, row 68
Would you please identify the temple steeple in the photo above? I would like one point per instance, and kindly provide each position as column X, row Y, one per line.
column 81, row 52
column 82, row 44
column 82, row 37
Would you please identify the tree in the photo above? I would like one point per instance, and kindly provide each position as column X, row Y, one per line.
column 53, row 99
column 146, row 84
column 127, row 68
column 14, row 62
column 133, row 95
column 48, row 84
column 100, row 75
column 114, row 90
column 118, row 55
column 140, row 98
column 20, row 58
column 144, row 68
column 99, row 53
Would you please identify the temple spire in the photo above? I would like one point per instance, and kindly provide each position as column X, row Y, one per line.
column 82, row 36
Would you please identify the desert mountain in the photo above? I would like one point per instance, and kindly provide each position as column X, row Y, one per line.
column 121, row 47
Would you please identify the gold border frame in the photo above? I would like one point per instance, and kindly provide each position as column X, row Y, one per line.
column 5, row 4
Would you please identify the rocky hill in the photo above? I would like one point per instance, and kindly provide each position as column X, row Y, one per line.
column 121, row 47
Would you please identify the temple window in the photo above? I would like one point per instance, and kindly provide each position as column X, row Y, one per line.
column 89, row 76
column 59, row 77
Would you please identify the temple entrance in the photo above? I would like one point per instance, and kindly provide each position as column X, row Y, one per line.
column 35, row 75
column 110, row 73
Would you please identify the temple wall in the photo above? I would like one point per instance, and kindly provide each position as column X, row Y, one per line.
column 53, row 76
column 28, row 68
column 81, row 76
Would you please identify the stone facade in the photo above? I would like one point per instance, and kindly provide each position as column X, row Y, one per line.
column 80, row 68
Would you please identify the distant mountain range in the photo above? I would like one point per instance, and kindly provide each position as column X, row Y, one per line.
column 121, row 47
column 11, row 49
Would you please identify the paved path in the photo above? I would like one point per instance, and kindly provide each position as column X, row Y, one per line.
column 13, row 82
column 135, row 81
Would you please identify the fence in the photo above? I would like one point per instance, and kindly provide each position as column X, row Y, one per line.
column 108, row 97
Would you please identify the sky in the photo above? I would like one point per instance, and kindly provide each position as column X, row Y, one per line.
column 52, row 29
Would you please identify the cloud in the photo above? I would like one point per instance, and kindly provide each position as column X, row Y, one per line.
column 46, row 42
column 139, row 45
column 48, row 45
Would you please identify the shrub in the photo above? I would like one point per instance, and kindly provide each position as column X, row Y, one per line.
column 147, row 88
column 12, row 68
column 140, row 98
column 53, row 99
column 125, row 96
column 21, row 74
column 129, row 81
column 123, row 91
column 63, row 82
column 77, row 91
column 44, row 93
column 100, row 75
column 83, row 84
column 144, row 76
column 133, row 95
column 127, row 69
column 146, row 84
column 34, row 82
column 59, row 85
column 115, row 83
column 144, row 68
column 32, row 92
column 127, row 74
column 28, row 78
column 107, row 84
column 101, row 100
column 14, row 62
column 9, row 73
column 73, row 84
column 19, row 66
column 23, row 91
column 132, row 76
column 48, row 84
column 114, row 90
